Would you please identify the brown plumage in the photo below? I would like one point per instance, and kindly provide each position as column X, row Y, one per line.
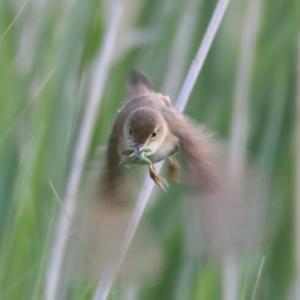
column 148, row 129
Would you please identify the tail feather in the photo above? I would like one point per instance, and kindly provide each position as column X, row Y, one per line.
column 138, row 83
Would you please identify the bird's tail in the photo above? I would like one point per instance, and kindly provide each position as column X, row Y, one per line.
column 138, row 83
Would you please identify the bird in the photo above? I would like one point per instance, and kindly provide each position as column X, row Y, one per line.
column 149, row 129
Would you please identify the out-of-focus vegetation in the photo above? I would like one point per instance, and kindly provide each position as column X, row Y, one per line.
column 46, row 51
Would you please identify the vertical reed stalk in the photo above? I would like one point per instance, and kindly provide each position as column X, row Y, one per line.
column 179, row 53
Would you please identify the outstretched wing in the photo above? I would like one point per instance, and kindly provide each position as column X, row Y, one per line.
column 115, row 185
column 113, row 172
column 196, row 147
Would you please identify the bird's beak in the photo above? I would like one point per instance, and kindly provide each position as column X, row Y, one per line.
column 138, row 149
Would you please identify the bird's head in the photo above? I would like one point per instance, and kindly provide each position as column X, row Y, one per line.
column 145, row 130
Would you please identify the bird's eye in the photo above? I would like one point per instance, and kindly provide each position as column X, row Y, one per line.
column 130, row 132
column 154, row 134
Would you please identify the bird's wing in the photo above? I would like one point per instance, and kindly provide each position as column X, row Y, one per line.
column 196, row 147
column 113, row 171
column 115, row 184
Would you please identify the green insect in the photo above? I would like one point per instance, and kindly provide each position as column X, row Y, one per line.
column 141, row 158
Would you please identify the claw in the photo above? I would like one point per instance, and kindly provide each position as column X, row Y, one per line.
column 160, row 181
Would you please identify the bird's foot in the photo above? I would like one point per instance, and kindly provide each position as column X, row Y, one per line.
column 160, row 181
column 173, row 168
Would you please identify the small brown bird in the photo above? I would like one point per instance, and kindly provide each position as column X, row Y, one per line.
column 148, row 129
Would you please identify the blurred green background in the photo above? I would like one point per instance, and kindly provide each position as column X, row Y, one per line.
column 46, row 52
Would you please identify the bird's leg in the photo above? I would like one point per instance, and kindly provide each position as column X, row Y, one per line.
column 173, row 168
column 160, row 181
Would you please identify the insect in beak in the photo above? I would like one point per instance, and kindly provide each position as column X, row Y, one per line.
column 136, row 151
column 139, row 152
